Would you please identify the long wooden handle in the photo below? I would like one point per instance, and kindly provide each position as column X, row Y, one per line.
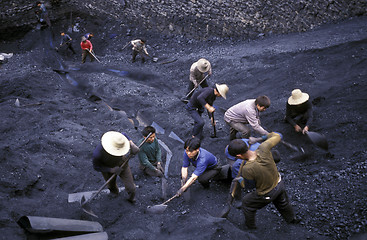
column 114, row 175
column 197, row 86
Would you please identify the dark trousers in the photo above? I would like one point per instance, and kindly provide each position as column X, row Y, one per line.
column 127, row 179
column 69, row 46
column 207, row 175
column 135, row 53
column 198, row 120
column 84, row 56
column 236, row 127
column 252, row 202
column 192, row 86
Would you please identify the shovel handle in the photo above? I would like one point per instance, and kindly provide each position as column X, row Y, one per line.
column 197, row 86
column 114, row 175
column 173, row 197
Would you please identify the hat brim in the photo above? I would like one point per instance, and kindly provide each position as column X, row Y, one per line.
column 220, row 90
column 304, row 98
column 108, row 140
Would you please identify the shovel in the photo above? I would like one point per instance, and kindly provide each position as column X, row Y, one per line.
column 84, row 203
column 160, row 207
column 91, row 52
column 318, row 139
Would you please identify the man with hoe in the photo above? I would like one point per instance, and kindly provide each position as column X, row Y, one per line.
column 109, row 155
column 197, row 75
column 87, row 49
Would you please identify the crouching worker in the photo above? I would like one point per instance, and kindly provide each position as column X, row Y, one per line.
column 109, row 155
column 150, row 154
column 205, row 163
column 260, row 171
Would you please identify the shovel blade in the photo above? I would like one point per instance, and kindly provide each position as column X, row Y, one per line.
column 225, row 211
column 157, row 208
column 318, row 139
column 86, row 208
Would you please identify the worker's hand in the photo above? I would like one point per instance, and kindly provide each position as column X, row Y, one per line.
column 305, row 130
column 241, row 181
column 297, row 128
column 211, row 109
column 253, row 140
column 158, row 173
column 179, row 192
column 116, row 170
column 160, row 167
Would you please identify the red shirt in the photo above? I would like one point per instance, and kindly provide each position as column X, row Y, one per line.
column 86, row 45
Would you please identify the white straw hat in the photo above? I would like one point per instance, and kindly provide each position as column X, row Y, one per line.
column 298, row 97
column 222, row 89
column 115, row 143
column 203, row 65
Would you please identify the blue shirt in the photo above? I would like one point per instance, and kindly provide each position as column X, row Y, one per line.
column 204, row 160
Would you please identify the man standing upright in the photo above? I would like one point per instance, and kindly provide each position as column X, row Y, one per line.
column 109, row 155
column 261, row 171
column 245, row 113
column 204, row 98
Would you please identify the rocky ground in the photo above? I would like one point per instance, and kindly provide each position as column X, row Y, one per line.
column 47, row 141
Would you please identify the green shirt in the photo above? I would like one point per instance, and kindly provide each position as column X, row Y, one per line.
column 149, row 154
column 263, row 169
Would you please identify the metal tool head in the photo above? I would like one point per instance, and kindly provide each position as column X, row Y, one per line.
column 157, row 208
column 86, row 208
column 318, row 139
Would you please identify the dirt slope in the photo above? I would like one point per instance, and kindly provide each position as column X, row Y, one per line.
column 47, row 142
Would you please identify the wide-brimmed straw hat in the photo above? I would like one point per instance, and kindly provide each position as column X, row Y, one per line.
column 298, row 97
column 222, row 89
column 115, row 143
column 203, row 65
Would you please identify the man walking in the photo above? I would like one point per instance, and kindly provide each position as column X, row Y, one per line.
column 245, row 113
column 261, row 171
column 109, row 155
